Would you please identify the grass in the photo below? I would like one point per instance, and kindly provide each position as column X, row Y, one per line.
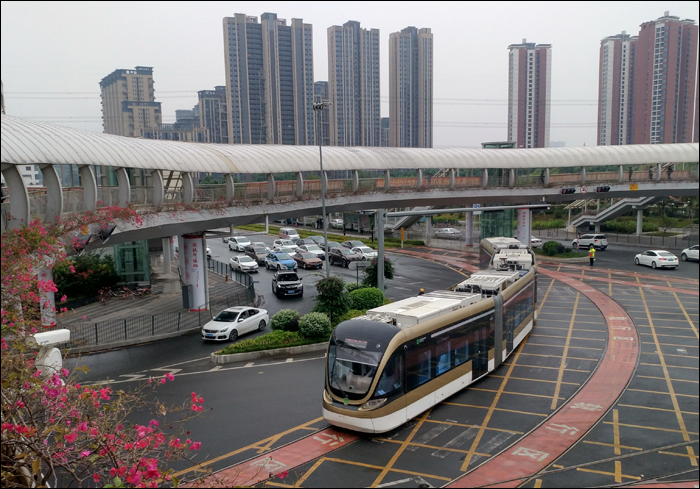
column 568, row 254
column 270, row 341
column 662, row 234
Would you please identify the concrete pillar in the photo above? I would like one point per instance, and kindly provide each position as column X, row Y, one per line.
column 54, row 193
column 387, row 180
column 640, row 217
column 620, row 174
column 270, row 186
column 484, row 178
column 19, row 197
column 48, row 299
column 267, row 224
column 230, row 187
column 89, row 184
column 452, row 178
column 419, row 180
column 597, row 207
column 546, row 177
column 355, row 180
column 167, row 254
column 380, row 220
column 468, row 228
column 187, row 188
column 428, row 230
column 124, row 186
column 193, row 248
column 568, row 222
column 158, row 188
column 300, row 185
column 597, row 228
column 511, row 177
column 658, row 172
column 583, row 175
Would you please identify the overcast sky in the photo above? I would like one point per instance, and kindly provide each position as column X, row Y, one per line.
column 55, row 54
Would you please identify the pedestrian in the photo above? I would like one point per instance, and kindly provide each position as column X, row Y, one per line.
column 651, row 173
column 421, row 292
column 542, row 177
column 631, row 172
column 670, row 171
column 579, row 235
column 428, row 178
column 362, row 230
column 591, row 254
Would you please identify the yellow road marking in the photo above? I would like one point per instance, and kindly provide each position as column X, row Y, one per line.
column 611, row 445
column 497, row 409
column 654, row 409
column 435, row 421
column 538, row 380
column 669, row 366
column 661, row 378
column 618, row 471
column 515, row 393
column 690, row 455
column 633, row 477
column 400, row 471
column 664, row 393
column 562, row 365
column 653, row 428
column 524, row 365
column 616, row 433
column 559, row 356
column 692, row 325
column 566, row 346
column 434, row 447
column 573, row 337
column 538, row 483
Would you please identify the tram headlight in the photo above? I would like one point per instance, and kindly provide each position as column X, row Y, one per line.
column 373, row 404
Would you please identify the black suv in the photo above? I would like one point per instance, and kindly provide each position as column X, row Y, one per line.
column 287, row 283
column 342, row 256
column 257, row 253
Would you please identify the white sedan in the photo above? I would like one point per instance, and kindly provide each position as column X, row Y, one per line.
column 243, row 263
column 657, row 259
column 690, row 253
column 238, row 243
column 535, row 242
column 235, row 321
column 366, row 252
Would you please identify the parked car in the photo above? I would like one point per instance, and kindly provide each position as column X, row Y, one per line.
column 535, row 242
column 257, row 252
column 286, row 283
column 316, row 239
column 365, row 252
column 280, row 261
column 342, row 256
column 224, row 239
column 337, row 223
column 690, row 253
column 261, row 244
column 315, row 249
column 235, row 321
column 306, row 260
column 289, row 233
column 330, row 245
column 657, row 259
column 285, row 243
column 238, row 243
column 599, row 241
column 352, row 244
column 243, row 263
column 448, row 233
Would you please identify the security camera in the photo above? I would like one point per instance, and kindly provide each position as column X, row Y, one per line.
column 49, row 338
column 49, row 360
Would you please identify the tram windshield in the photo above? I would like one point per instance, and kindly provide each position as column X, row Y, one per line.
column 351, row 370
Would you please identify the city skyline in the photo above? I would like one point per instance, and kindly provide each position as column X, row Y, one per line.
column 54, row 56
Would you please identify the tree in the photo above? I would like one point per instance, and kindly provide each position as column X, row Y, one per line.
column 332, row 298
column 371, row 274
column 56, row 432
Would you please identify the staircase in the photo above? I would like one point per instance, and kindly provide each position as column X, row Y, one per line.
column 407, row 221
column 615, row 210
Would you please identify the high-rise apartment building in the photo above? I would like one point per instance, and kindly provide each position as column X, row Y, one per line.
column 614, row 89
column 385, row 132
column 269, row 80
column 529, row 94
column 411, row 88
column 213, row 114
column 128, row 102
column 353, row 83
column 653, row 99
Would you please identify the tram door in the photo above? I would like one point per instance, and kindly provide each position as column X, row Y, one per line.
column 478, row 344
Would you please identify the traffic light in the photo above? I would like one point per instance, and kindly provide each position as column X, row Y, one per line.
column 568, row 191
column 604, row 188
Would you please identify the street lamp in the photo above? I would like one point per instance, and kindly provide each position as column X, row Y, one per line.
column 318, row 107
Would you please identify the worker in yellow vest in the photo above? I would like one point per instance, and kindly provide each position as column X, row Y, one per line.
column 591, row 254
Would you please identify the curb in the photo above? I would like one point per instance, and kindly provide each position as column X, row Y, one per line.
column 254, row 355
column 541, row 259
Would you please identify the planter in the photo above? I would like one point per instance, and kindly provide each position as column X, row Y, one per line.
column 254, row 355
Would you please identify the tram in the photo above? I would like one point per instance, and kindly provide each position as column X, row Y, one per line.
column 403, row 358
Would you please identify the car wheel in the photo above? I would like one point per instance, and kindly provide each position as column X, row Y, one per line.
column 303, row 265
column 233, row 335
column 636, row 261
column 346, row 263
column 653, row 265
column 279, row 267
column 261, row 325
column 574, row 246
column 684, row 257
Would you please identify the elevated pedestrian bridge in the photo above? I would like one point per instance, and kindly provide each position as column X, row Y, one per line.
column 143, row 169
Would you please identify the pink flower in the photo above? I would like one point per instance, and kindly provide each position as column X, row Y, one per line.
column 196, row 445
column 83, row 316
column 65, row 372
column 104, row 394
column 70, row 437
column 162, row 381
column 64, row 298
column 282, row 475
column 170, row 376
column 84, row 453
column 96, row 477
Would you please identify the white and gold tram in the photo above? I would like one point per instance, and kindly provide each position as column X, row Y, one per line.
column 400, row 359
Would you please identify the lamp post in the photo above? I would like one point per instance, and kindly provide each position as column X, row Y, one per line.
column 318, row 107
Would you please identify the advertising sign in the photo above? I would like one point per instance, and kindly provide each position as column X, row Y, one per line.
column 194, row 254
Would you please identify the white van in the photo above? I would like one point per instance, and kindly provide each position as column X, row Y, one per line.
column 289, row 233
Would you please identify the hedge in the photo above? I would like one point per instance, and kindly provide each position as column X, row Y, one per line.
column 314, row 325
column 285, row 320
column 367, row 298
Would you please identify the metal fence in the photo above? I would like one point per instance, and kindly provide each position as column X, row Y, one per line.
column 680, row 241
column 104, row 333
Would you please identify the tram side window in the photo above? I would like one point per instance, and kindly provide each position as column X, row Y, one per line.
column 392, row 375
column 418, row 362
column 443, row 354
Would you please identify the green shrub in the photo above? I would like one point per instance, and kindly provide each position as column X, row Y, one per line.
column 551, row 248
column 552, row 224
column 275, row 339
column 353, row 286
column 332, row 298
column 314, row 325
column 93, row 272
column 367, row 298
column 352, row 313
column 285, row 320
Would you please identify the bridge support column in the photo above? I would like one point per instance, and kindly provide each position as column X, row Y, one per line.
column 355, row 180
column 428, row 230
column 19, row 198
column 583, row 175
column 167, row 254
column 187, row 188
column 640, row 217
column 419, row 180
column 299, row 191
column 597, row 228
column 658, row 172
column 546, row 177
column 468, row 228
column 484, row 178
column 48, row 300
column 524, row 226
column 89, row 184
column 158, row 188
column 193, row 250
column 387, row 180
column 381, row 220
column 267, row 224
column 124, row 186
column 230, row 187
column 452, row 178
column 511, row 177
column 620, row 174
column 270, row 186
column 54, row 193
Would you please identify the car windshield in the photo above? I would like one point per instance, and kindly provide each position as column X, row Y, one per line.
column 283, row 256
column 259, row 249
column 313, row 248
column 333, row 244
column 287, row 242
column 364, row 249
column 667, row 254
column 307, row 256
column 288, row 277
column 243, row 241
column 226, row 316
column 345, row 251
column 245, row 259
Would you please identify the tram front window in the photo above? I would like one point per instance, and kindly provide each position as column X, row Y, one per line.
column 351, row 370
